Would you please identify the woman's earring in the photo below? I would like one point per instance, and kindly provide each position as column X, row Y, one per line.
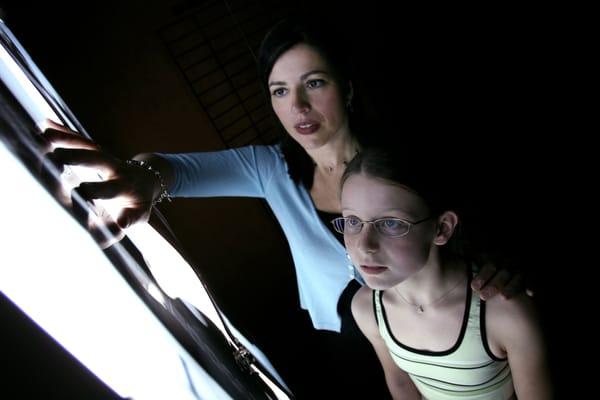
column 349, row 106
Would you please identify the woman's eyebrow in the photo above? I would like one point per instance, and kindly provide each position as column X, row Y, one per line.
column 302, row 77
column 315, row 71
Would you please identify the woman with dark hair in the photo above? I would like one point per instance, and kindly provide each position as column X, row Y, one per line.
column 312, row 95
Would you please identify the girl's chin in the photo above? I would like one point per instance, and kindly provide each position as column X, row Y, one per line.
column 375, row 283
column 375, row 286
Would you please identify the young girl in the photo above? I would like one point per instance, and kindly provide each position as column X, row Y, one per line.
column 418, row 310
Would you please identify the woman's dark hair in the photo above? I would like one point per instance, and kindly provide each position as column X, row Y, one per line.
column 288, row 33
column 282, row 37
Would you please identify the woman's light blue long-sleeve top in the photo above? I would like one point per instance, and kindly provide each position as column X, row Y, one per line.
column 322, row 267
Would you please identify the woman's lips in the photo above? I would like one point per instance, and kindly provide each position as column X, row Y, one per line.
column 307, row 127
column 372, row 269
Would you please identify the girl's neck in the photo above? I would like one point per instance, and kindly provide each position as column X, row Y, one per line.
column 435, row 279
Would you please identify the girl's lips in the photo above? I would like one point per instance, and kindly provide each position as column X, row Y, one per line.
column 372, row 270
column 307, row 128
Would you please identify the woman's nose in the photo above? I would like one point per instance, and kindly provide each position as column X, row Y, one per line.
column 300, row 103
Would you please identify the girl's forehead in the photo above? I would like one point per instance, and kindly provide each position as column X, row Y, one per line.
column 365, row 192
column 377, row 183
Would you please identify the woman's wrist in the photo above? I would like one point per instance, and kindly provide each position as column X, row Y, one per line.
column 160, row 191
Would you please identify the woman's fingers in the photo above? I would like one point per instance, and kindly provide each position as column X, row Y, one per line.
column 59, row 127
column 131, row 216
column 495, row 285
column 107, row 241
column 490, row 282
column 101, row 190
column 513, row 286
column 132, row 209
column 68, row 139
column 66, row 147
column 105, row 231
column 85, row 158
column 481, row 279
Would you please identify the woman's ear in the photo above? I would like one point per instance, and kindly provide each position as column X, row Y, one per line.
column 446, row 225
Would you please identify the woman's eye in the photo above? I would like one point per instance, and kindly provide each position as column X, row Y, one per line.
column 315, row 83
column 279, row 92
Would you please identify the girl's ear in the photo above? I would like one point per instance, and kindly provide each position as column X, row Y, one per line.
column 446, row 225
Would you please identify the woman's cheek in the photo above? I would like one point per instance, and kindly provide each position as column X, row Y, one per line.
column 279, row 110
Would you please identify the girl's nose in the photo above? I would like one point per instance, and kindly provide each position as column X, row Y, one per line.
column 368, row 240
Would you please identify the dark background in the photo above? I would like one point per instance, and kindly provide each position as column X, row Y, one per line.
column 478, row 87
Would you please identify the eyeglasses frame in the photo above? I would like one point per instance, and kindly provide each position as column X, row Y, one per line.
column 374, row 222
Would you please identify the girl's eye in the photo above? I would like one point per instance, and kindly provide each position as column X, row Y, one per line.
column 315, row 83
column 352, row 221
column 392, row 227
column 390, row 223
column 279, row 92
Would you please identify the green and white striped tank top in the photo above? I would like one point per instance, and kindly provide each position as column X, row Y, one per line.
column 467, row 371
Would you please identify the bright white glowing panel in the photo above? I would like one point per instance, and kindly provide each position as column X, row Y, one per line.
column 174, row 275
column 55, row 272
column 24, row 91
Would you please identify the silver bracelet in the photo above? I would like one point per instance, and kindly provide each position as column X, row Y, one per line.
column 164, row 193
